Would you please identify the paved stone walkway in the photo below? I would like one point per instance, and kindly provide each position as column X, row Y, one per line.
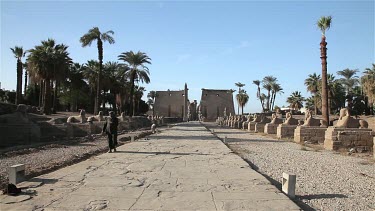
column 182, row 168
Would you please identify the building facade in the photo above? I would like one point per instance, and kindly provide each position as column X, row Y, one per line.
column 214, row 102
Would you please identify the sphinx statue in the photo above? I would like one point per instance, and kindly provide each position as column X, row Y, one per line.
column 290, row 120
column 257, row 118
column 276, row 120
column 346, row 121
column 309, row 120
column 81, row 118
column 98, row 118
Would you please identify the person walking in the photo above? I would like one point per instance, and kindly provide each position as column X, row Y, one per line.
column 110, row 128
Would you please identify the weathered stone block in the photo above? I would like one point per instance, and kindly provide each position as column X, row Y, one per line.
column 310, row 134
column 259, row 127
column 270, row 128
column 16, row 173
column 251, row 126
column 289, row 184
column 336, row 138
column 285, row 131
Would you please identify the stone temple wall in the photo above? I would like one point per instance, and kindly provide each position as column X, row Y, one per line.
column 169, row 103
column 213, row 102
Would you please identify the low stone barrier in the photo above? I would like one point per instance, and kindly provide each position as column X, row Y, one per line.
column 259, row 127
column 285, row 131
column 311, row 134
column 270, row 128
column 337, row 138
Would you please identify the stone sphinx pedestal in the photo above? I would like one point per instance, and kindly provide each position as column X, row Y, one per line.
column 245, row 125
column 285, row 131
column 259, row 127
column 270, row 128
column 336, row 138
column 312, row 134
column 251, row 126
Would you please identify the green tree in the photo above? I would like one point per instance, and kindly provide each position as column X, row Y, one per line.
column 138, row 71
column 261, row 99
column 239, row 85
column 18, row 54
column 46, row 60
column 242, row 99
column 368, row 86
column 324, row 23
column 312, row 84
column 87, row 39
column 267, row 85
column 295, row 100
column 275, row 88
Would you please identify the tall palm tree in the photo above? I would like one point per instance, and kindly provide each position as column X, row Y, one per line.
column 324, row 23
column 45, row 60
column 312, row 83
column 138, row 71
column 349, row 80
column 295, row 100
column 92, row 35
column 275, row 88
column 239, row 85
column 368, row 86
column 242, row 99
column 267, row 85
column 18, row 54
column 257, row 83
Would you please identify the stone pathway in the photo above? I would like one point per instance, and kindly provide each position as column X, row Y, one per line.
column 182, row 168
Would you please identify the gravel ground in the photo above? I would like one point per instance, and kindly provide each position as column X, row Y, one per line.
column 40, row 159
column 326, row 180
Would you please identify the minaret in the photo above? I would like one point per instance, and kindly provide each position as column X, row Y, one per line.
column 185, row 103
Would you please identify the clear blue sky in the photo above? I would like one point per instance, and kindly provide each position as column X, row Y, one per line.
column 208, row 44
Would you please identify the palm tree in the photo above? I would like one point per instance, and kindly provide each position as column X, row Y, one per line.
column 295, row 100
column 18, row 54
column 349, row 80
column 46, row 60
column 92, row 35
column 275, row 88
column 267, row 85
column 239, row 85
column 312, row 83
column 257, row 83
column 138, row 71
column 368, row 86
column 242, row 99
column 324, row 23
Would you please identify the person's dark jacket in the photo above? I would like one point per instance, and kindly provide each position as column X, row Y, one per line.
column 110, row 125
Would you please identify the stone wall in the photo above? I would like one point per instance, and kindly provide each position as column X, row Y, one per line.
column 21, row 134
column 309, row 134
column 285, row 131
column 336, row 138
column 213, row 102
column 169, row 103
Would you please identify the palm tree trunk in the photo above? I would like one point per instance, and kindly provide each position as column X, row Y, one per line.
column 242, row 109
column 47, row 97
column 55, row 97
column 41, row 88
column 273, row 101
column 100, row 55
column 315, row 104
column 268, row 100
column 323, row 57
column 24, row 91
column 19, row 82
column 132, row 109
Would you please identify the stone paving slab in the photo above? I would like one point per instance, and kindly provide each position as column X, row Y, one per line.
column 182, row 168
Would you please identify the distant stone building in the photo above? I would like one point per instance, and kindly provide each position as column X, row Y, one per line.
column 214, row 102
column 171, row 103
